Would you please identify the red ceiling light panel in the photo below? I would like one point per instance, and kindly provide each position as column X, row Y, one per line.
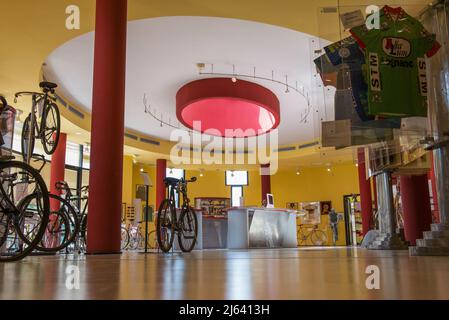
column 228, row 109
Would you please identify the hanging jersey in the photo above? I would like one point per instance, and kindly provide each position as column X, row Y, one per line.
column 348, row 55
column 394, row 54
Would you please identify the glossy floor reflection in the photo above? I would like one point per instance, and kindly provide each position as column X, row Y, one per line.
column 221, row 274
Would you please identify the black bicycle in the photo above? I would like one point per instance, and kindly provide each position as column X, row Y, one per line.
column 50, row 125
column 24, row 200
column 168, row 223
column 74, row 204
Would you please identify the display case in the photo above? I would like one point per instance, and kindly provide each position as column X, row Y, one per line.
column 213, row 206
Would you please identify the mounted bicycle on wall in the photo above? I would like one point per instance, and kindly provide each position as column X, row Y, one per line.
column 24, row 198
column 50, row 122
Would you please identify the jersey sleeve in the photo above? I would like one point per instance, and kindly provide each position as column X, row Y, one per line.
column 428, row 46
column 363, row 35
column 426, row 43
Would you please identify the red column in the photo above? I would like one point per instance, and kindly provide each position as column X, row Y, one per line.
column 436, row 211
column 415, row 199
column 57, row 167
column 106, row 162
column 365, row 192
column 265, row 180
column 373, row 179
column 57, row 173
column 161, row 171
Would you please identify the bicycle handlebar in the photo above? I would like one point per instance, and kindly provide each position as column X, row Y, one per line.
column 4, row 102
column 62, row 185
column 39, row 157
column 30, row 93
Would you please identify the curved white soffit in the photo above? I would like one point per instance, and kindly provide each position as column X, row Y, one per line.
column 162, row 55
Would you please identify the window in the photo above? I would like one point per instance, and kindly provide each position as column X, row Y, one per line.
column 178, row 174
column 174, row 173
column 72, row 154
column 236, row 178
column 236, row 193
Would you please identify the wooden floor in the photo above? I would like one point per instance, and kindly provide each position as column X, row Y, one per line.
column 312, row 273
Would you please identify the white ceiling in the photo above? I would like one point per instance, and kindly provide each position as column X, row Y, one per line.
column 162, row 55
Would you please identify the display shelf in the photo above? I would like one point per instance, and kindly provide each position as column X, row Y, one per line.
column 213, row 206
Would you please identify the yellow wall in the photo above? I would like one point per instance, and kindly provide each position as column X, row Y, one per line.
column 213, row 184
column 317, row 184
column 127, row 188
column 313, row 184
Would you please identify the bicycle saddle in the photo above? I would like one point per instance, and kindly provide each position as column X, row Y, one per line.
column 171, row 181
column 48, row 85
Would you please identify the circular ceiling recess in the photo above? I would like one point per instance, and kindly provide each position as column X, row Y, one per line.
column 227, row 107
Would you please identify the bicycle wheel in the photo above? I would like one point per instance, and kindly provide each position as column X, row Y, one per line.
column 19, row 184
column 61, row 230
column 50, row 128
column 25, row 138
column 165, row 227
column 301, row 237
column 83, row 233
column 188, row 229
column 152, row 240
column 124, row 238
column 318, row 237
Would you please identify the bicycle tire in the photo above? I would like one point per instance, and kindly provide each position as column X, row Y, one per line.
column 152, row 240
column 46, row 209
column 48, row 148
column 65, row 215
column 83, row 230
column 24, row 138
column 186, row 213
column 318, row 237
column 63, row 221
column 124, row 243
column 166, row 246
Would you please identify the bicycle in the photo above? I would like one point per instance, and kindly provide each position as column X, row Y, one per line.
column 49, row 128
column 77, row 216
column 136, row 237
column 168, row 223
column 314, row 236
column 58, row 233
column 20, row 184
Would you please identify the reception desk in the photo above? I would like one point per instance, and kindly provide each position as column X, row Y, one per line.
column 261, row 228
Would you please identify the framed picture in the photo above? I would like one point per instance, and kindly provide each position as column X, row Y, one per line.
column 325, row 207
column 312, row 210
column 292, row 206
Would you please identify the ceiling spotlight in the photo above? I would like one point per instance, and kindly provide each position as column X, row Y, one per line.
column 200, row 66
column 356, row 164
column 201, row 174
column 298, row 173
column 141, row 169
column 234, row 79
column 329, row 170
